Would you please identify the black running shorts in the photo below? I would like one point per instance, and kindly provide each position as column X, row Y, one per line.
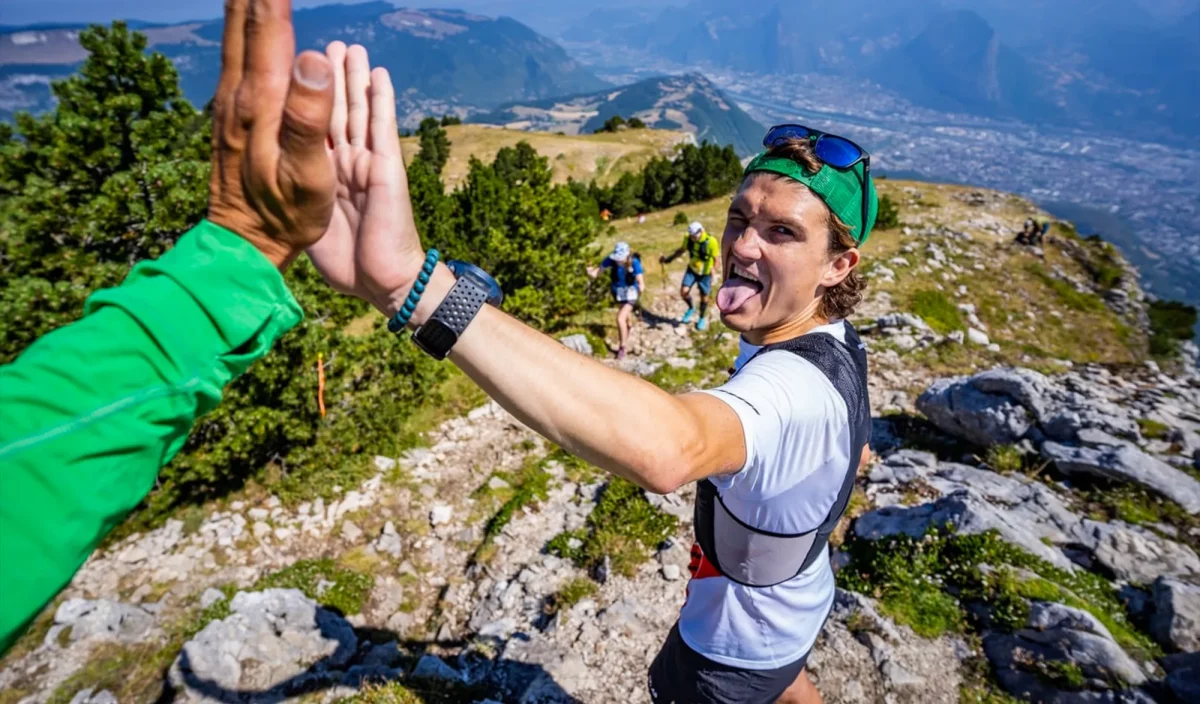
column 680, row 675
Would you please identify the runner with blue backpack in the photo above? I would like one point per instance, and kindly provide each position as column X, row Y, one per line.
column 628, row 281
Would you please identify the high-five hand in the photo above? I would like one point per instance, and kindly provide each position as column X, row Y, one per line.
column 372, row 249
column 272, row 182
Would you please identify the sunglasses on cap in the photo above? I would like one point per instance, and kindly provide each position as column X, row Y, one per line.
column 837, row 152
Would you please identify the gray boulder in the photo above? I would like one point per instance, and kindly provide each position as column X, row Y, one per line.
column 1135, row 554
column 1183, row 675
column 1025, row 514
column 901, row 320
column 102, row 619
column 271, row 643
column 1048, row 616
column 1017, row 658
column 1126, row 463
column 1176, row 620
column 961, row 408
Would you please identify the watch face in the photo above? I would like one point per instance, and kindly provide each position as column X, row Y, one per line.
column 466, row 270
column 435, row 338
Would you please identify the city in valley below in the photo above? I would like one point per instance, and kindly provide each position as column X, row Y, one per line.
column 1144, row 196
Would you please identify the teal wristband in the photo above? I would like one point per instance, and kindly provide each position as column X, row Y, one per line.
column 400, row 320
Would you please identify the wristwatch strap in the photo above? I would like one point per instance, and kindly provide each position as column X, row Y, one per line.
column 456, row 311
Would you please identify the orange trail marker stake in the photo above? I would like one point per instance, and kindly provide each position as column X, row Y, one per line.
column 321, row 383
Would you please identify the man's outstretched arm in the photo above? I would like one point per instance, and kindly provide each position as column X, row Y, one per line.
column 90, row 412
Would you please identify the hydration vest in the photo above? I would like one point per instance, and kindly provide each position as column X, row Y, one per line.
column 699, row 254
column 754, row 557
column 624, row 275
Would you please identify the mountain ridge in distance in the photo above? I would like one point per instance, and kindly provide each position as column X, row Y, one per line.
column 688, row 102
column 440, row 60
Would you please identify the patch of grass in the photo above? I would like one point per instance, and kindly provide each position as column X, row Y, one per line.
column 570, row 594
column 1171, row 322
column 714, row 353
column 1062, row 674
column 979, row 686
column 323, row 581
column 132, row 673
column 935, row 308
column 192, row 517
column 454, row 397
column 1106, row 502
column 624, row 527
column 528, row 484
column 1005, row 459
column 888, row 215
column 34, row 635
column 416, row 691
column 1152, row 429
column 1067, row 295
column 908, row 574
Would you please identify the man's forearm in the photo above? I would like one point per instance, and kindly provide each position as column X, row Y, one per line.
column 617, row 421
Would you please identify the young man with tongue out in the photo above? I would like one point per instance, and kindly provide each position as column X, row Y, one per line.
column 774, row 449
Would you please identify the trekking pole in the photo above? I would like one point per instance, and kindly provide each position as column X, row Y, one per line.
column 663, row 264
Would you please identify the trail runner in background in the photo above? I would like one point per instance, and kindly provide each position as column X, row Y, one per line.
column 628, row 281
column 704, row 253
column 774, row 450
column 90, row 412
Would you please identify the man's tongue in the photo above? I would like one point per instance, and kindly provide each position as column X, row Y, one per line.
column 735, row 292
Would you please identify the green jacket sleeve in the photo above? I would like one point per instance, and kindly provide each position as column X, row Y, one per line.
column 90, row 412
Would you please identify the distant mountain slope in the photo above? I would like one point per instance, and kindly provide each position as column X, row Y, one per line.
column 1113, row 65
column 602, row 157
column 690, row 103
column 444, row 57
column 958, row 64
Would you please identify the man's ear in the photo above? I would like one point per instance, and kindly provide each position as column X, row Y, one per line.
column 840, row 267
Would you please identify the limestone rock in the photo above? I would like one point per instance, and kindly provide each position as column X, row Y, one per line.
column 210, row 597
column 1176, row 620
column 91, row 696
column 270, row 641
column 978, row 337
column 578, row 343
column 441, row 513
column 960, row 408
column 103, row 619
column 901, row 320
column 1128, row 464
column 1135, row 554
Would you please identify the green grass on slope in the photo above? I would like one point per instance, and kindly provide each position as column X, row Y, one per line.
column 923, row 583
column 623, row 527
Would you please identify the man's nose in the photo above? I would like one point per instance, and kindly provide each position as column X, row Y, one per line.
column 747, row 245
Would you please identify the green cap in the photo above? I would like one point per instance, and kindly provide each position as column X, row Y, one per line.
column 841, row 190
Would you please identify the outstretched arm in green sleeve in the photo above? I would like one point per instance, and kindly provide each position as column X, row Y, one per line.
column 90, row 412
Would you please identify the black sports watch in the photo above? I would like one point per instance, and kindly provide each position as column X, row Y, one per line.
column 470, row 292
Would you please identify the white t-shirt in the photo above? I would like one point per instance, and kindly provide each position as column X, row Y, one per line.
column 797, row 452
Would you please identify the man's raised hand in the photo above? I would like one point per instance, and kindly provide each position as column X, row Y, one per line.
column 272, row 180
column 372, row 249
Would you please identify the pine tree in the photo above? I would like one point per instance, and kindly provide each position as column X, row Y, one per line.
column 435, row 144
column 115, row 174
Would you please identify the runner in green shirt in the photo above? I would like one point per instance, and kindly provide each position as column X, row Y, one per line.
column 704, row 252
